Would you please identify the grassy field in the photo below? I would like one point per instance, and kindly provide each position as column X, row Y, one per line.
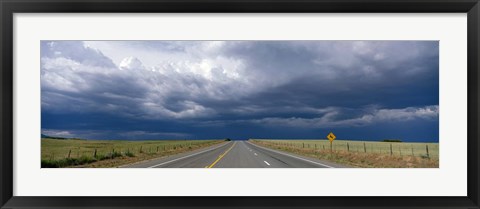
column 111, row 153
column 362, row 153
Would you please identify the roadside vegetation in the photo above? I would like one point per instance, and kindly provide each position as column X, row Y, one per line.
column 59, row 153
column 366, row 154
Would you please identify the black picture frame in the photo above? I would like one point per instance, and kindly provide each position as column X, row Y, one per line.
column 10, row 7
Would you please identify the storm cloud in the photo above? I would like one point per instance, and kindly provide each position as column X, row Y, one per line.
column 240, row 89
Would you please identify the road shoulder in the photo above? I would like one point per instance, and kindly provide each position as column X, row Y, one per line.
column 154, row 161
column 305, row 158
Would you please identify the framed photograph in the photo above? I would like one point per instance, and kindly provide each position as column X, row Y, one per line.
column 239, row 104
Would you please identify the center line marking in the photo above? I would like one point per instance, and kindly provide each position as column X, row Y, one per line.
column 187, row 156
column 221, row 156
column 255, row 154
column 267, row 163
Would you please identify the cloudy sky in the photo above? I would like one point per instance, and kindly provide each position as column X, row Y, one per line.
column 366, row 90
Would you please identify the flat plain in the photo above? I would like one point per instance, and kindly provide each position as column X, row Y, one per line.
column 254, row 153
column 111, row 153
column 369, row 154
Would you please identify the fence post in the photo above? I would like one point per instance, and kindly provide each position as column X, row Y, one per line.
column 323, row 146
column 141, row 149
column 428, row 154
column 348, row 147
column 364, row 147
column 157, row 148
column 412, row 151
column 391, row 150
column 95, row 154
column 303, row 144
column 69, row 152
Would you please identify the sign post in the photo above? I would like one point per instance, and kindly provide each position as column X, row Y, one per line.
column 331, row 137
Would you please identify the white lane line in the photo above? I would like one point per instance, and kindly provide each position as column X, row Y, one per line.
column 290, row 155
column 187, row 156
column 266, row 163
column 255, row 154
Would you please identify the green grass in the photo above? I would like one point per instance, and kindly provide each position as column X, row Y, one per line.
column 65, row 162
column 102, row 153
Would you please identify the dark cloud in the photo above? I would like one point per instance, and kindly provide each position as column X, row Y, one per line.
column 241, row 89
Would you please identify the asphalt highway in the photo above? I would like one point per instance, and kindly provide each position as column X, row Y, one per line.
column 235, row 154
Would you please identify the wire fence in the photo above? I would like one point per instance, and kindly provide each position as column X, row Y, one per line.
column 425, row 150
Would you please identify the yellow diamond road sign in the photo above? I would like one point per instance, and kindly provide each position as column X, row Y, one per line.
column 331, row 136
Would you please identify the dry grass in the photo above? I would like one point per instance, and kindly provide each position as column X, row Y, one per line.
column 101, row 153
column 418, row 149
column 353, row 158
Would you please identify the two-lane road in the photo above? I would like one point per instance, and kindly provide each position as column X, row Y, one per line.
column 235, row 154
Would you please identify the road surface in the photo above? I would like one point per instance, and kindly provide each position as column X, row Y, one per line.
column 234, row 154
